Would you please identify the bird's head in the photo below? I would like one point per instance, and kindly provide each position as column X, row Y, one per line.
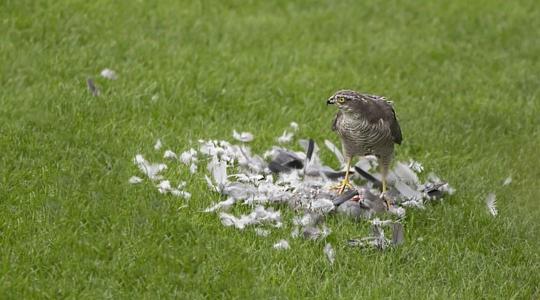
column 344, row 99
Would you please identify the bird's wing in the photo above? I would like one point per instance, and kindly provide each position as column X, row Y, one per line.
column 377, row 108
column 395, row 129
column 336, row 118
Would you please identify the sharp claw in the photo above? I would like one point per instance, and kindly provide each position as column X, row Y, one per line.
column 341, row 187
column 385, row 198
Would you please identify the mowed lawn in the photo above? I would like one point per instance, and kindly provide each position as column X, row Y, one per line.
column 464, row 75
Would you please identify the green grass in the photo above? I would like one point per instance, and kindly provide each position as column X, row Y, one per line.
column 464, row 77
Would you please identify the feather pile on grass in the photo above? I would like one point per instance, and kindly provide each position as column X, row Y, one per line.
column 296, row 179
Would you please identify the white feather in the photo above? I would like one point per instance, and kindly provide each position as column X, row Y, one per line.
column 258, row 216
column 210, row 184
column 218, row 168
column 282, row 245
column 179, row 193
column 295, row 233
column 323, row 206
column 243, row 137
column 285, row 138
column 330, row 253
column 416, row 166
column 223, row 205
column 135, row 180
column 188, row 157
column 193, row 168
column 491, row 203
column 109, row 74
column 169, row 154
column 150, row 170
column 158, row 144
column 405, row 174
column 164, row 186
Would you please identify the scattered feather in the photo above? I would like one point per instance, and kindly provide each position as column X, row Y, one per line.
column 398, row 234
column 179, row 193
column 258, row 216
column 381, row 223
column 282, row 245
column 294, row 126
column 169, row 155
column 193, row 168
column 151, row 170
column 164, row 186
column 135, row 180
column 158, row 145
column 295, row 233
column 336, row 152
column 262, row 232
column 408, row 192
column 94, row 90
column 416, row 166
column 323, row 206
column 404, row 174
column 300, row 181
column 491, row 203
column 330, row 253
column 413, row 203
column 188, row 157
column 315, row 233
column 377, row 238
column 285, row 161
column 285, row 138
column 242, row 137
column 223, row 205
column 109, row 74
column 309, row 219
column 507, row 181
column 210, row 184
column 353, row 210
column 218, row 168
column 397, row 210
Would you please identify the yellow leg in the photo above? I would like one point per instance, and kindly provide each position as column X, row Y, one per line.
column 384, row 187
column 345, row 183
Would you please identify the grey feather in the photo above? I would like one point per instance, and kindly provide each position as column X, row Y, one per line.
column 336, row 152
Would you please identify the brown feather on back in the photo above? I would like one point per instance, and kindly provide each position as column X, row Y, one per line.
column 375, row 108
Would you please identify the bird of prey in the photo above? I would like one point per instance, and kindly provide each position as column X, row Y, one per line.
column 366, row 125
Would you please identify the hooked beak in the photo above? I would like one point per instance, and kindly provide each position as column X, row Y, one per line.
column 331, row 101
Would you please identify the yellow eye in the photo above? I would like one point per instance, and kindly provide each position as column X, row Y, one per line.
column 341, row 100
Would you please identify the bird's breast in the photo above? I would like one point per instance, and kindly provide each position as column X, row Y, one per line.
column 361, row 137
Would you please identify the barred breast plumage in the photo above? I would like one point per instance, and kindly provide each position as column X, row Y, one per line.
column 360, row 137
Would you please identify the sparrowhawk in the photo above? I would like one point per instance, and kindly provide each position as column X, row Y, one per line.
column 366, row 125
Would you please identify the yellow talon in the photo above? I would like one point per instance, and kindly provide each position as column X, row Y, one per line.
column 345, row 182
